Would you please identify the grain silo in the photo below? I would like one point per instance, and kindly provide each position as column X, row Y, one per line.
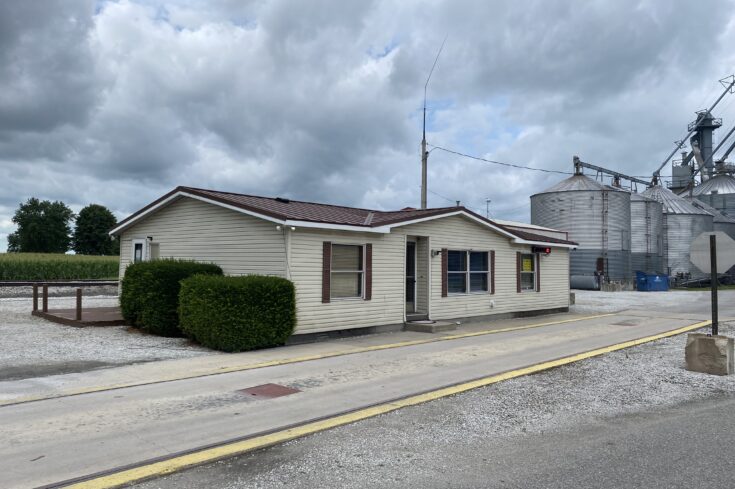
column 718, row 192
column 646, row 235
column 595, row 216
column 682, row 223
column 720, row 222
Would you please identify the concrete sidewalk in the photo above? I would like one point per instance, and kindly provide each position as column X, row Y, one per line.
column 53, row 440
column 164, row 371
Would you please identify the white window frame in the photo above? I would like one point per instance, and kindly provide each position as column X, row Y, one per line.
column 535, row 261
column 361, row 272
column 144, row 250
column 468, row 273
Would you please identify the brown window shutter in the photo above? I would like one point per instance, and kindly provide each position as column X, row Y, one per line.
column 492, row 272
column 445, row 259
column 538, row 273
column 518, row 272
column 368, row 271
column 326, row 270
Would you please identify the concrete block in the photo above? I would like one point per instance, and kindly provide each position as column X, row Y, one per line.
column 572, row 299
column 709, row 354
column 430, row 326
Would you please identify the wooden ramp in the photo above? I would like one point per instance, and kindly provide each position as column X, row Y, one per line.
column 94, row 316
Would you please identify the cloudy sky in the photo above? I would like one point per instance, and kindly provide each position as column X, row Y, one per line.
column 118, row 102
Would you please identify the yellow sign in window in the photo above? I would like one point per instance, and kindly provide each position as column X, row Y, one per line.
column 527, row 264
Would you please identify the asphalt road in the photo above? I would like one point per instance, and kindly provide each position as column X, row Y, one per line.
column 630, row 419
column 57, row 439
column 686, row 446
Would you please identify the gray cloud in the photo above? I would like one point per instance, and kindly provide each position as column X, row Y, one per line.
column 118, row 102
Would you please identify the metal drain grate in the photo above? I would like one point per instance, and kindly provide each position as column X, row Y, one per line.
column 268, row 391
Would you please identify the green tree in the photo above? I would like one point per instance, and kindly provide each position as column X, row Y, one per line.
column 90, row 235
column 43, row 227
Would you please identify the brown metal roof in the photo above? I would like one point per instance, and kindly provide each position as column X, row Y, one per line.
column 294, row 210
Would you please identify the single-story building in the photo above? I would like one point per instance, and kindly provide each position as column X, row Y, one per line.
column 360, row 268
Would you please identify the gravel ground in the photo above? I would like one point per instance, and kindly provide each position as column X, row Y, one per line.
column 27, row 291
column 590, row 301
column 34, row 347
column 431, row 444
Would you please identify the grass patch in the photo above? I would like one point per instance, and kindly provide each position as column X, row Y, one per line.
column 56, row 266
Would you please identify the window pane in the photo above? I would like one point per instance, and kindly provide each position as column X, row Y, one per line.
column 478, row 261
column 528, row 264
column 478, row 282
column 527, row 281
column 457, row 283
column 138, row 253
column 346, row 284
column 346, row 257
column 457, row 261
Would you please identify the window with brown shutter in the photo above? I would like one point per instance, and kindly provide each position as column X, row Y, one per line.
column 445, row 260
column 518, row 272
column 347, row 271
column 492, row 272
column 326, row 271
column 368, row 271
column 529, row 272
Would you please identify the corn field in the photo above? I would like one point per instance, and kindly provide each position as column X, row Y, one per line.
column 48, row 266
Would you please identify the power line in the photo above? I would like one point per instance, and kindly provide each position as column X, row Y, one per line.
column 499, row 162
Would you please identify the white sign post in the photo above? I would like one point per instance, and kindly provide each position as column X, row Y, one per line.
column 704, row 252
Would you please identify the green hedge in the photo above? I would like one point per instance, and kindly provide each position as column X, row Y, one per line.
column 237, row 313
column 150, row 293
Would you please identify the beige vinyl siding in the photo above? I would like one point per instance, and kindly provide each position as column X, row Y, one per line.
column 387, row 305
column 460, row 233
column 195, row 230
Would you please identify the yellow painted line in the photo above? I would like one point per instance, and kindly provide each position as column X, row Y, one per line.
column 287, row 361
column 175, row 464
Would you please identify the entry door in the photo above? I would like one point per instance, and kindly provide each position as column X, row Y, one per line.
column 410, row 277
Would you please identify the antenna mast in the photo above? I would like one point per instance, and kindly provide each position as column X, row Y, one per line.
column 424, row 153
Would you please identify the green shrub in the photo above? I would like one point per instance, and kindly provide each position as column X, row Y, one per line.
column 150, row 293
column 237, row 313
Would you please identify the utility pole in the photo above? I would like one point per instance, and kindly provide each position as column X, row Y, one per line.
column 424, row 163
column 424, row 153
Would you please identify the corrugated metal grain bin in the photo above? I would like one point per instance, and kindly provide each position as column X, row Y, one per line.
column 646, row 234
column 595, row 216
column 681, row 224
column 718, row 192
column 720, row 222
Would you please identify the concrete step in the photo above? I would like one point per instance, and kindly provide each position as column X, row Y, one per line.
column 430, row 326
column 416, row 316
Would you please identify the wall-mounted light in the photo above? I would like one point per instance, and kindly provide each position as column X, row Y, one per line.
column 278, row 227
column 293, row 228
column 150, row 238
column 435, row 253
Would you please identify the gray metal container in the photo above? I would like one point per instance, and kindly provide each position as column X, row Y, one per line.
column 682, row 223
column 595, row 216
column 646, row 235
column 718, row 192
